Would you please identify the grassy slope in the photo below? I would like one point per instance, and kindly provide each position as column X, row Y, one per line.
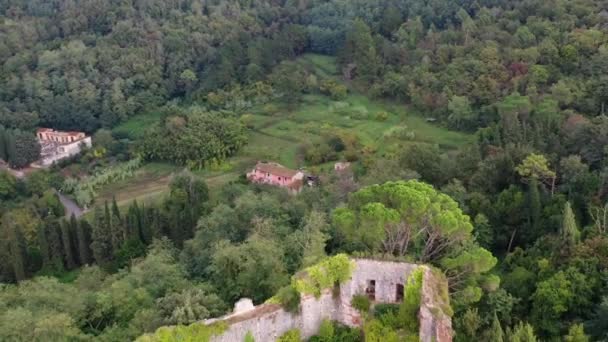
column 277, row 137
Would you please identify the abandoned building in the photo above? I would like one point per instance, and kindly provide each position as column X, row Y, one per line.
column 277, row 175
column 381, row 281
column 58, row 145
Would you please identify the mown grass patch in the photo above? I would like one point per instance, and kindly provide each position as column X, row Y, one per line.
column 136, row 126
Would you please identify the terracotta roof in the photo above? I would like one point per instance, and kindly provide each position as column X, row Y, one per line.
column 276, row 169
column 60, row 133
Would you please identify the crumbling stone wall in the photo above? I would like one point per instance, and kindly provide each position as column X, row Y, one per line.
column 267, row 322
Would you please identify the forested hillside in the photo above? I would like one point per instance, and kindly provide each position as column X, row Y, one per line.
column 476, row 133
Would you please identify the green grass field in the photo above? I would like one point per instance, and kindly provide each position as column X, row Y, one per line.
column 277, row 135
column 136, row 126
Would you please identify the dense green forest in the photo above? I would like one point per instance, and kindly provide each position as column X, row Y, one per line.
column 516, row 218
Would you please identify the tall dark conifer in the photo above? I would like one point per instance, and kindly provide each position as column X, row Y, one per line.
column 84, row 242
column 53, row 233
column 67, row 246
column 3, row 141
column 17, row 247
column 116, row 227
column 101, row 244
column 43, row 245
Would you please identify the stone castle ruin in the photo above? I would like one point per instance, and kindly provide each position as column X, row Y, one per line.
column 381, row 281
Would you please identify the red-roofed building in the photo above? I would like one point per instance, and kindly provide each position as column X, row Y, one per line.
column 47, row 134
column 277, row 175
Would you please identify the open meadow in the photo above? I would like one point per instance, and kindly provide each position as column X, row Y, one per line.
column 277, row 132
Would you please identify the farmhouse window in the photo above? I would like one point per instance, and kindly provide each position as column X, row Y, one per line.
column 370, row 290
column 399, row 294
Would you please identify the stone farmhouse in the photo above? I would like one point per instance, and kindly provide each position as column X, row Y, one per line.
column 277, row 175
column 381, row 281
column 58, row 145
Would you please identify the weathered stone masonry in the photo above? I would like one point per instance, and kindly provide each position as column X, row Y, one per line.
column 267, row 322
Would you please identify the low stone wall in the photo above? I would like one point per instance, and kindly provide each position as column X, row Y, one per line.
column 268, row 322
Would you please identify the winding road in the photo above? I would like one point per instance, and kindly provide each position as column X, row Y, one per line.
column 71, row 208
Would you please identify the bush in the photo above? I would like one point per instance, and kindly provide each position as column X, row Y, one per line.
column 292, row 335
column 326, row 274
column 408, row 310
column 382, row 309
column 326, row 331
column 336, row 332
column 333, row 89
column 381, row 116
column 289, row 298
column 361, row 303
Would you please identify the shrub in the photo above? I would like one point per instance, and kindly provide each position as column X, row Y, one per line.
column 408, row 310
column 382, row 309
column 289, row 298
column 292, row 335
column 361, row 303
column 248, row 120
column 326, row 274
column 270, row 109
column 192, row 332
column 249, row 337
column 326, row 331
column 381, row 116
column 335, row 90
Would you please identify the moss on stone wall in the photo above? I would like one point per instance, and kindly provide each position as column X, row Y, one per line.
column 324, row 275
column 198, row 332
column 441, row 295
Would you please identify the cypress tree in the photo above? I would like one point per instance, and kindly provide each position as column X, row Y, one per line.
column 101, row 242
column 53, row 233
column 495, row 334
column 43, row 245
column 570, row 232
column 83, row 233
column 115, row 227
column 73, row 231
column 115, row 210
column 535, row 209
column 11, row 148
column 145, row 231
column 3, row 139
column 67, row 245
column 17, row 247
column 133, row 221
column 156, row 229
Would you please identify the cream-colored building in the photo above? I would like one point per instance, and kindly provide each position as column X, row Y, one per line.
column 58, row 145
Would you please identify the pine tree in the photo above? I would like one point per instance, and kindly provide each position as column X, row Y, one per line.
column 570, row 232
column 101, row 241
column 67, row 246
column 84, row 242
